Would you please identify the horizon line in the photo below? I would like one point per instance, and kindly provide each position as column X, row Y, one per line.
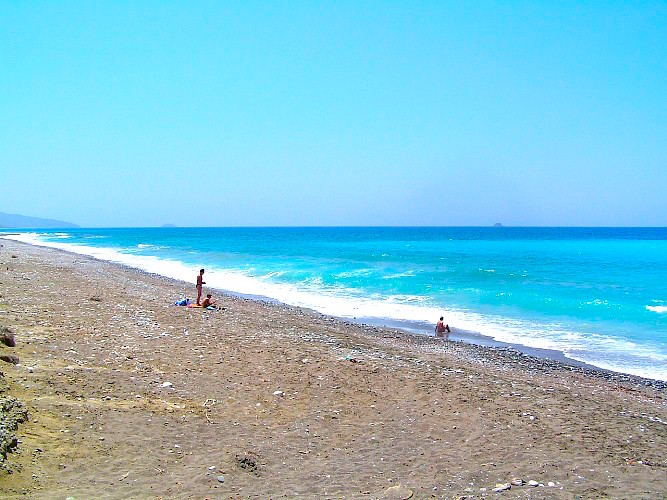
column 425, row 226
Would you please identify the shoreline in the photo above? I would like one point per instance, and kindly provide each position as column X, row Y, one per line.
column 130, row 396
column 407, row 327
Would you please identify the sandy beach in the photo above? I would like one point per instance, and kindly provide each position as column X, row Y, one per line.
column 130, row 396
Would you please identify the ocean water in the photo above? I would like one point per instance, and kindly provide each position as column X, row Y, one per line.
column 598, row 295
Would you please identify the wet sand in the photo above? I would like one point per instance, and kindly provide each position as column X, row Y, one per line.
column 130, row 396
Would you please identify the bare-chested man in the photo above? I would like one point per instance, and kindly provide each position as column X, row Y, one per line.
column 208, row 301
column 200, row 285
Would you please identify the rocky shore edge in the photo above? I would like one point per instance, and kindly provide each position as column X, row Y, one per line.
column 12, row 411
column 504, row 358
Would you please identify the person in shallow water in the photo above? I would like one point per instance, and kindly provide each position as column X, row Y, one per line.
column 441, row 329
column 200, row 285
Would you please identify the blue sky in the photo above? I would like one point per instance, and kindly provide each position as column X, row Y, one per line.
column 335, row 113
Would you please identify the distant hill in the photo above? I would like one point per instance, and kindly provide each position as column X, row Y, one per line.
column 15, row 220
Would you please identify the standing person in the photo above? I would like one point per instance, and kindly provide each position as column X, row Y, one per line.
column 441, row 328
column 200, row 284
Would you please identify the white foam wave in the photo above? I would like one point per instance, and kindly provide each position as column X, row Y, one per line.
column 657, row 309
column 273, row 274
column 354, row 274
column 406, row 274
column 589, row 347
column 151, row 264
column 406, row 299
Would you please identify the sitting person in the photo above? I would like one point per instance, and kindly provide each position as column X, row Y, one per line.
column 441, row 328
column 208, row 301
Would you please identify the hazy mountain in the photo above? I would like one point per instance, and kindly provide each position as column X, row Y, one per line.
column 15, row 220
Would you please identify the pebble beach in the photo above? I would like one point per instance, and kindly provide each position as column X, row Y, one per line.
column 124, row 395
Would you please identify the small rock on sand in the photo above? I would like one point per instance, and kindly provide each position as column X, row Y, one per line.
column 397, row 492
column 502, row 487
column 221, row 479
column 7, row 337
column 10, row 358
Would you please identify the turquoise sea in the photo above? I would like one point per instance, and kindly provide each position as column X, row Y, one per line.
column 598, row 295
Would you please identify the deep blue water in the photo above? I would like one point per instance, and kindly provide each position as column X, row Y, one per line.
column 597, row 294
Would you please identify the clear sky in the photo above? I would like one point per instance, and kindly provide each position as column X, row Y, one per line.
column 336, row 113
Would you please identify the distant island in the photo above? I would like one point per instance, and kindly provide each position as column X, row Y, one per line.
column 168, row 225
column 23, row 221
column 498, row 224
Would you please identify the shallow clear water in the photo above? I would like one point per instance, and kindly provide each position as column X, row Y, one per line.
column 598, row 295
